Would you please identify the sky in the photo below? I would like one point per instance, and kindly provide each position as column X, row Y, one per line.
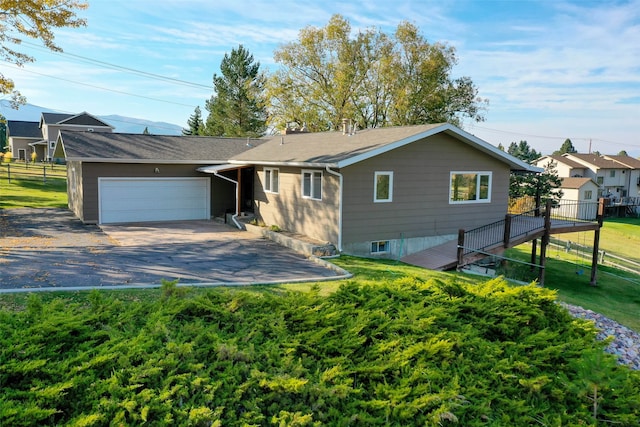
column 551, row 70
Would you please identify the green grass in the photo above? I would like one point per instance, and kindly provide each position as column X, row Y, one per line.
column 620, row 236
column 27, row 188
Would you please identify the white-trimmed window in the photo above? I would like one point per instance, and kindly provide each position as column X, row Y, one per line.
column 612, row 173
column 383, row 187
column 380, row 247
column 599, row 180
column 271, row 180
column 312, row 184
column 469, row 187
column 52, row 144
column 588, row 194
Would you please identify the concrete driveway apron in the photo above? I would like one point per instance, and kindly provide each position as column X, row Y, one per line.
column 50, row 248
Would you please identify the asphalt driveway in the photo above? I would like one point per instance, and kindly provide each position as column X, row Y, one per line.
column 50, row 248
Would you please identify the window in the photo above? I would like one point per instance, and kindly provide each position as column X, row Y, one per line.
column 470, row 187
column 380, row 247
column 600, row 180
column 612, row 173
column 312, row 184
column 52, row 144
column 588, row 194
column 383, row 187
column 271, row 180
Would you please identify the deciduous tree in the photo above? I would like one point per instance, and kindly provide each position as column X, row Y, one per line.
column 238, row 107
column 374, row 78
column 34, row 19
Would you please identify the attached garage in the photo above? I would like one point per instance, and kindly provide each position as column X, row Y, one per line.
column 153, row 199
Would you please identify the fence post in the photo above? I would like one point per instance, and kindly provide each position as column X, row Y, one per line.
column 9, row 172
column 44, row 174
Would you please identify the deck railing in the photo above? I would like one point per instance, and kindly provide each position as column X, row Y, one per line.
column 515, row 226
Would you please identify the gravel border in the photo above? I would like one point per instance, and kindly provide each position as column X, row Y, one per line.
column 626, row 342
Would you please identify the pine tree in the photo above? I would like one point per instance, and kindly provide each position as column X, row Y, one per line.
column 195, row 123
column 567, row 147
column 238, row 107
column 146, row 131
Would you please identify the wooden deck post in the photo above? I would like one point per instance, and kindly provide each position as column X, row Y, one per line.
column 545, row 242
column 460, row 252
column 534, row 252
column 507, row 230
column 596, row 244
column 239, row 198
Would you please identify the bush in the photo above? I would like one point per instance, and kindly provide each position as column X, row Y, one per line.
column 407, row 352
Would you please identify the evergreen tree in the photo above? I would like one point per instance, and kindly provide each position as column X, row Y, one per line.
column 3, row 132
column 195, row 123
column 238, row 106
column 623, row 153
column 567, row 147
column 523, row 151
column 547, row 184
column 146, row 131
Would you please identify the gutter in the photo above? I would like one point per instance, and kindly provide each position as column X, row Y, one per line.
column 234, row 216
column 339, row 175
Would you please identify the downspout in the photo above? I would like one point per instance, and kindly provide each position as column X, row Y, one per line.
column 234, row 216
column 339, row 175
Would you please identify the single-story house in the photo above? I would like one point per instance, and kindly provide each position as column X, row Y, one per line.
column 118, row 177
column 383, row 192
column 582, row 191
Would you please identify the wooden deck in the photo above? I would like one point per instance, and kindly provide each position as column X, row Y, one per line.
column 491, row 240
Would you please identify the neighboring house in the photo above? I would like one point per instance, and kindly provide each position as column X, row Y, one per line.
column 611, row 176
column 633, row 177
column 584, row 191
column 565, row 167
column 384, row 192
column 20, row 134
column 118, row 177
column 51, row 123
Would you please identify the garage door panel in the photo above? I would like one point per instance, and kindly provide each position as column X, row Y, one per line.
column 153, row 199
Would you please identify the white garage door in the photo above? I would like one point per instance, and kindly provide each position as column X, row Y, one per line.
column 153, row 199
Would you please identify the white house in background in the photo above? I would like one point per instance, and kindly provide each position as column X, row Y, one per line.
column 585, row 192
column 610, row 175
column 564, row 166
column 633, row 177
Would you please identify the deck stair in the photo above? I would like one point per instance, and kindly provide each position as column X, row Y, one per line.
column 513, row 230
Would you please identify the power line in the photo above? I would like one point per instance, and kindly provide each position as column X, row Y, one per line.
column 100, row 87
column 121, row 68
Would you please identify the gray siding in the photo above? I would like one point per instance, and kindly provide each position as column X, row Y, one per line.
column 420, row 206
column 222, row 197
column 288, row 210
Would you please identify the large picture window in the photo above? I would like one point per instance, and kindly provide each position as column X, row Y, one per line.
column 312, row 184
column 470, row 187
column 271, row 180
column 383, row 187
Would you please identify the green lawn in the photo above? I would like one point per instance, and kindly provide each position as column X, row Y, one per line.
column 620, row 236
column 29, row 189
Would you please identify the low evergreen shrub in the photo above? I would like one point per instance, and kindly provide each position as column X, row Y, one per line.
column 404, row 352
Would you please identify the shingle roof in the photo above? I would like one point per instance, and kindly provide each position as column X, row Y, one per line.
column 598, row 161
column 80, row 119
column 575, row 183
column 125, row 147
column 335, row 149
column 626, row 160
column 563, row 160
column 19, row 128
column 51, row 118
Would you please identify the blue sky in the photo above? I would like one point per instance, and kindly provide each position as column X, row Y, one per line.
column 551, row 69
